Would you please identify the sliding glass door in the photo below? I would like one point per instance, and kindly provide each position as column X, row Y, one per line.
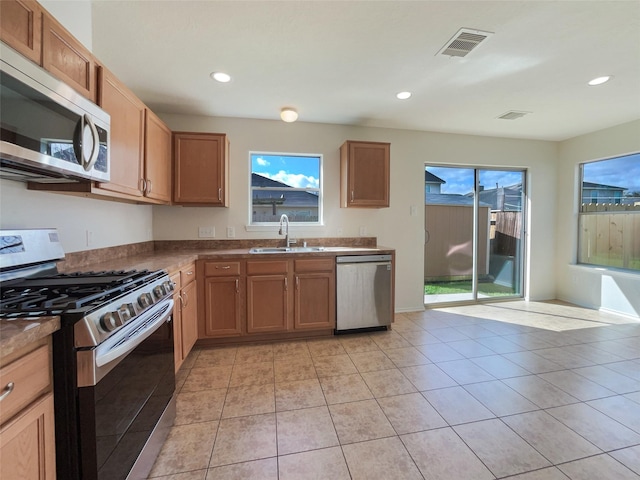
column 474, row 222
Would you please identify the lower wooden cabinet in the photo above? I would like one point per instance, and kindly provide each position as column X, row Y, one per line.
column 222, row 300
column 189, row 314
column 185, row 313
column 27, row 444
column 314, row 294
column 267, row 296
column 27, row 437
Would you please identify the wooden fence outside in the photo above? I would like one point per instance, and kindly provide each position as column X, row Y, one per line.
column 506, row 233
column 610, row 236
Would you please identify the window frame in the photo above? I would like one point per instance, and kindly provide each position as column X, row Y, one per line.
column 251, row 225
column 582, row 213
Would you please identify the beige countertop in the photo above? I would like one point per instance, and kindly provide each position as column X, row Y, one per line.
column 17, row 333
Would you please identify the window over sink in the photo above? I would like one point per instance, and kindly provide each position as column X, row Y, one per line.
column 285, row 183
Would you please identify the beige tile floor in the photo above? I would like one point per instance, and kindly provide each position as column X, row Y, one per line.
column 529, row 391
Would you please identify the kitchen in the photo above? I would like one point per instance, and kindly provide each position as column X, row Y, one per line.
column 92, row 224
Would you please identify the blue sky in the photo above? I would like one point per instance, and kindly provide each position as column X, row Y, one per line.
column 619, row 172
column 296, row 171
column 460, row 180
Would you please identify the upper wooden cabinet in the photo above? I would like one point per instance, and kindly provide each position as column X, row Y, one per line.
column 364, row 174
column 21, row 27
column 157, row 159
column 67, row 58
column 127, row 135
column 200, row 169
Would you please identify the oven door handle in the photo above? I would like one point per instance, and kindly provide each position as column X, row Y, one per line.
column 113, row 353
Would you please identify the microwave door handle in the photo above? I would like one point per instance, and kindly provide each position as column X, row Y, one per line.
column 95, row 147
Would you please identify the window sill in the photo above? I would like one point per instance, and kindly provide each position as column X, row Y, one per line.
column 603, row 270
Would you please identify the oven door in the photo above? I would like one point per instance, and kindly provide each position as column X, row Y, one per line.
column 133, row 389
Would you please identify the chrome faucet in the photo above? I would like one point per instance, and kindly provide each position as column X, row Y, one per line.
column 284, row 219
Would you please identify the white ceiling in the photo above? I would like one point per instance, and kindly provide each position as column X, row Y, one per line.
column 342, row 62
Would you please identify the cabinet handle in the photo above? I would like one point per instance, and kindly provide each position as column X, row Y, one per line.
column 237, row 286
column 286, row 283
column 190, row 272
column 352, row 195
column 181, row 301
column 297, row 282
column 142, row 185
column 150, row 185
column 7, row 390
column 220, row 194
column 226, row 267
column 186, row 299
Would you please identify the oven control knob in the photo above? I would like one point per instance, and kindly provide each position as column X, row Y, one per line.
column 168, row 286
column 127, row 311
column 110, row 321
column 145, row 300
column 159, row 291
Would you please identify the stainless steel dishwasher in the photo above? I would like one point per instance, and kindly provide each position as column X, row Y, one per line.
column 363, row 297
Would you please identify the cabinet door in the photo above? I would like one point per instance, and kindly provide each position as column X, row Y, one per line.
column 267, row 303
column 67, row 58
column 222, row 307
column 364, row 174
column 127, row 135
column 157, row 159
column 314, row 302
column 21, row 27
column 27, row 444
column 189, row 318
column 200, row 168
column 177, row 322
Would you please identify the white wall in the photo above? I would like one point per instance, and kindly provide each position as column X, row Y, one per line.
column 599, row 288
column 109, row 223
column 395, row 227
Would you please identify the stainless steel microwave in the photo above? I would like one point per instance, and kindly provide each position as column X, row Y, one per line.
column 49, row 133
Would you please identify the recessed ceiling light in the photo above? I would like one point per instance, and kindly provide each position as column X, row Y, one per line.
column 403, row 95
column 600, row 80
column 288, row 114
column 221, row 77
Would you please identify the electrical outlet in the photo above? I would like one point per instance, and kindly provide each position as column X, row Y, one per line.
column 206, row 232
column 231, row 232
column 89, row 238
column 363, row 231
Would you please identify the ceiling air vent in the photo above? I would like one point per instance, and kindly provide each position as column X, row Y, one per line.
column 512, row 115
column 463, row 42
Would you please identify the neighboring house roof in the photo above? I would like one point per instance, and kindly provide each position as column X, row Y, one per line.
column 286, row 198
column 431, row 178
column 511, row 197
column 451, row 199
column 600, row 186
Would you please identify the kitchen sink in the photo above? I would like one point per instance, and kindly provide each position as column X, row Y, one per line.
column 287, row 249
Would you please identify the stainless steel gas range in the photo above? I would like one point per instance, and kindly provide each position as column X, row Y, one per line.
column 113, row 366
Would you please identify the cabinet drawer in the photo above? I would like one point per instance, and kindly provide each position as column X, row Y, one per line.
column 267, row 267
column 187, row 275
column 315, row 265
column 221, row 269
column 30, row 377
